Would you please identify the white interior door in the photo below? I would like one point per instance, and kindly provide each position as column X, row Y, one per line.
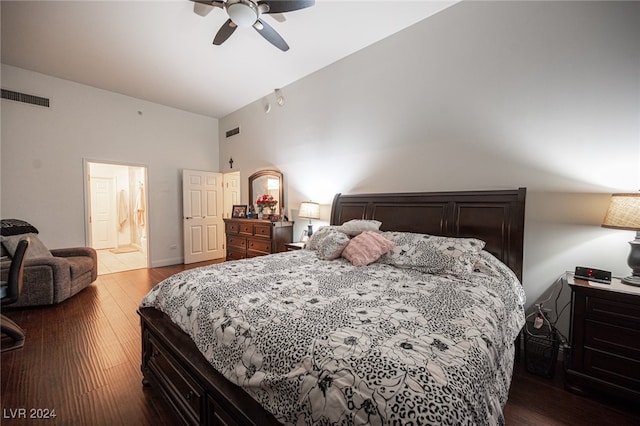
column 202, row 216
column 103, row 213
column 231, row 191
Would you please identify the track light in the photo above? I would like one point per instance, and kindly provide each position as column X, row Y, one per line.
column 279, row 97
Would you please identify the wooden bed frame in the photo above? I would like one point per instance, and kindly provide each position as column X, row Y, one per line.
column 199, row 394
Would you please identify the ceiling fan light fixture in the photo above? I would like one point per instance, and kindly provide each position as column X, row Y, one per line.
column 243, row 13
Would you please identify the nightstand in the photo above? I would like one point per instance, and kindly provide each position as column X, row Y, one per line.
column 295, row 246
column 605, row 338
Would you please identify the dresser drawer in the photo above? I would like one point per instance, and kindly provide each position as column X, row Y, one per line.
column 231, row 227
column 187, row 394
column 236, row 254
column 236, row 242
column 262, row 230
column 613, row 311
column 246, row 228
column 259, row 245
column 614, row 339
column 218, row 415
column 622, row 371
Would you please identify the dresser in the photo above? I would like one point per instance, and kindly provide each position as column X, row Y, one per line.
column 605, row 338
column 255, row 237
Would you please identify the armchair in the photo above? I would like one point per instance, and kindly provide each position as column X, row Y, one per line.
column 52, row 276
column 50, row 280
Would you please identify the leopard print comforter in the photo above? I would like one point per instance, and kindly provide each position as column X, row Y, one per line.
column 324, row 342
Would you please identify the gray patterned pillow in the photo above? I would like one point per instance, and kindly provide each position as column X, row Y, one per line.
column 331, row 244
column 432, row 254
column 316, row 237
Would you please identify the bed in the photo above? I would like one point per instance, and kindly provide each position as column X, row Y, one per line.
column 292, row 338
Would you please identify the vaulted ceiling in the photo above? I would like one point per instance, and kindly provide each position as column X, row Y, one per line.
column 162, row 51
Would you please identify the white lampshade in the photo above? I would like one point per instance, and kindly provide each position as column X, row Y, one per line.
column 623, row 212
column 309, row 210
column 243, row 14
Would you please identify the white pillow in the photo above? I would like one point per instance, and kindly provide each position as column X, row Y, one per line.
column 357, row 226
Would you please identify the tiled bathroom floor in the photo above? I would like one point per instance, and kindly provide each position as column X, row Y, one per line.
column 109, row 262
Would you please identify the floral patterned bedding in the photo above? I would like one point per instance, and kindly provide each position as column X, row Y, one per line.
column 324, row 342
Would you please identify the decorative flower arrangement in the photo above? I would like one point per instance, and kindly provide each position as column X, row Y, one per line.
column 264, row 201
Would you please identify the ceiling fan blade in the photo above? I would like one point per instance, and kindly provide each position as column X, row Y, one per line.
column 201, row 9
column 224, row 32
column 214, row 3
column 282, row 6
column 279, row 17
column 204, row 7
column 271, row 35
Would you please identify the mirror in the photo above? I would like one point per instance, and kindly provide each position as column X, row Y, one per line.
column 267, row 182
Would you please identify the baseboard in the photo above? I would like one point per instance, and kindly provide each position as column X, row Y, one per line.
column 167, row 262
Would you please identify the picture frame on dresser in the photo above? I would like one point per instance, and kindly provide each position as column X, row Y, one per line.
column 239, row 211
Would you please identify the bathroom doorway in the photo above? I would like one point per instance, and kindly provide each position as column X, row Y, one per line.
column 117, row 215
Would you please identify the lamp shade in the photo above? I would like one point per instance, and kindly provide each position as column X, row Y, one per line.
column 309, row 210
column 623, row 212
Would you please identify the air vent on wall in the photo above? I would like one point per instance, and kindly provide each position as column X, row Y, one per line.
column 232, row 132
column 25, row 98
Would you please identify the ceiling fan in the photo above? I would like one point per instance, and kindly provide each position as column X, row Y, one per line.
column 246, row 13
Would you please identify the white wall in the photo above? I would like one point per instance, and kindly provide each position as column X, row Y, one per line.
column 43, row 150
column 483, row 95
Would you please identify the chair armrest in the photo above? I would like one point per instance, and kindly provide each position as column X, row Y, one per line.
column 80, row 252
column 74, row 251
column 52, row 262
column 46, row 281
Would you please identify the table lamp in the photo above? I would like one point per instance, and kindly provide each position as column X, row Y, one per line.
column 309, row 210
column 624, row 213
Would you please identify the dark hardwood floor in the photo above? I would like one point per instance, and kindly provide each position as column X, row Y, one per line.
column 82, row 359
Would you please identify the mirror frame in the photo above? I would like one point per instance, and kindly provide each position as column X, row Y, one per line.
column 263, row 173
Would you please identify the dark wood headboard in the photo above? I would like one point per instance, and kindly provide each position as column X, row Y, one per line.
column 496, row 217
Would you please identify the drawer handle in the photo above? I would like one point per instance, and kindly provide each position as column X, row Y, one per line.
column 155, row 353
column 190, row 395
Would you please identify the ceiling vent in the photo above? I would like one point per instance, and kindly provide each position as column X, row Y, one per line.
column 25, row 98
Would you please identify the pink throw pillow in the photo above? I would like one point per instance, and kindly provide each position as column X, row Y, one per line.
column 366, row 248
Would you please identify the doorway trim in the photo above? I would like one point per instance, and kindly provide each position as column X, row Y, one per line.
column 87, row 200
